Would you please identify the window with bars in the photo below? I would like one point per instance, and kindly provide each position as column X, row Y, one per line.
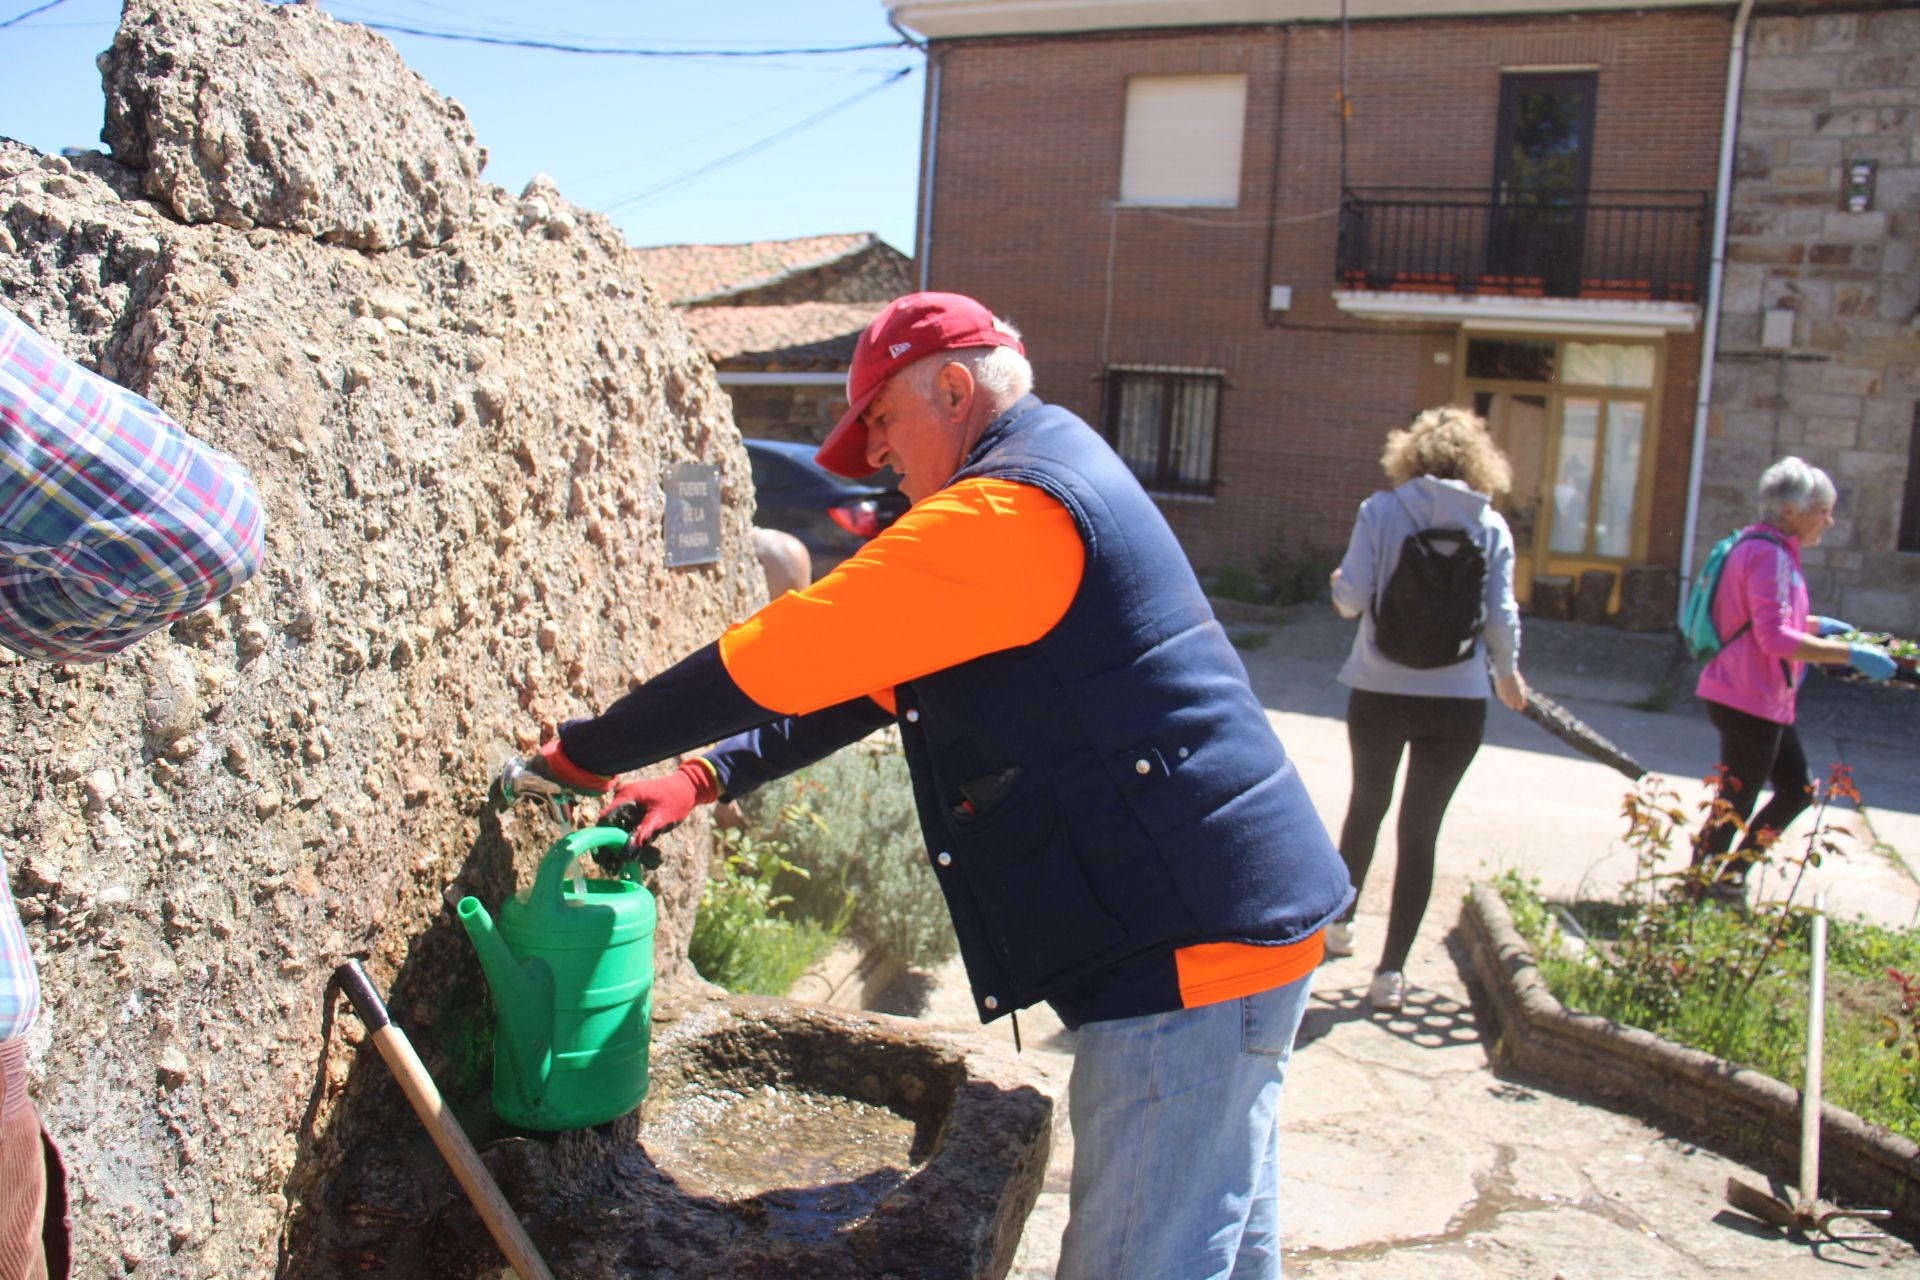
column 1165, row 424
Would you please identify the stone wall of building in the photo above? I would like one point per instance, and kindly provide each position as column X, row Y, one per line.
column 1823, row 92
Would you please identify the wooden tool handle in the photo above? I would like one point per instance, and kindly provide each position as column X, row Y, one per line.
column 441, row 1125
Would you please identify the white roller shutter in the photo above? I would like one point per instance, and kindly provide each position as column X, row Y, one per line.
column 1183, row 140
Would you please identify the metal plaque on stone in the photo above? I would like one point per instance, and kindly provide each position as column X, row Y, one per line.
column 693, row 514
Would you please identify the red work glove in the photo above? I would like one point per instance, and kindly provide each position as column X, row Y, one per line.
column 651, row 807
column 551, row 760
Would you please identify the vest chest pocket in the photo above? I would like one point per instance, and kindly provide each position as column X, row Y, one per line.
column 1041, row 914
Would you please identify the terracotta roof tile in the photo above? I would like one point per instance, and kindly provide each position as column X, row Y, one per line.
column 799, row 335
column 689, row 272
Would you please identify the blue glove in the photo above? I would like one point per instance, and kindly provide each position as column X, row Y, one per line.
column 1870, row 662
column 1824, row 627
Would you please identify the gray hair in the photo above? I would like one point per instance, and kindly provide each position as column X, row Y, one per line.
column 1002, row 373
column 1791, row 482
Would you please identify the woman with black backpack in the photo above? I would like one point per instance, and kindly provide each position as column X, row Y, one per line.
column 1429, row 572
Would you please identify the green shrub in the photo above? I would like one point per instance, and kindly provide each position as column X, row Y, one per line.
column 1236, row 582
column 1659, row 698
column 850, row 821
column 1735, row 984
column 1294, row 579
column 740, row 940
column 1281, row 578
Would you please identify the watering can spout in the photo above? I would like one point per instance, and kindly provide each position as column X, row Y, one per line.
column 523, row 995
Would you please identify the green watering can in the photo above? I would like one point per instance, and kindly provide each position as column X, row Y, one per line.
column 571, row 967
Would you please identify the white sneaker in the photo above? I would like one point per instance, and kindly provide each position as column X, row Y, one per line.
column 1340, row 938
column 1388, row 991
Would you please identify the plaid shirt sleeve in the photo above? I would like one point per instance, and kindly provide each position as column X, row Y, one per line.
column 19, row 979
column 114, row 522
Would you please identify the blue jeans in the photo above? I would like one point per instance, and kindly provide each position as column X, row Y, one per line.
column 1176, row 1142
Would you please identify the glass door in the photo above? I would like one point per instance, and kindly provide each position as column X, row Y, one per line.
column 1542, row 157
column 1575, row 419
column 1599, row 453
column 1519, row 426
column 1518, row 422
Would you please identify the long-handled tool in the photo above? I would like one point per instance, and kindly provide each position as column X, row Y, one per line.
column 1807, row 1213
column 447, row 1134
column 1579, row 735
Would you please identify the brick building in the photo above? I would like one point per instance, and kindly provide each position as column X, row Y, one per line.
column 779, row 319
column 1819, row 348
column 1247, row 239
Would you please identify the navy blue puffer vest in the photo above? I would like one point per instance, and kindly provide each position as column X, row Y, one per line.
column 1113, row 790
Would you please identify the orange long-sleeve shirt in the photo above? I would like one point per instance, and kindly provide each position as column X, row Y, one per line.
column 982, row 566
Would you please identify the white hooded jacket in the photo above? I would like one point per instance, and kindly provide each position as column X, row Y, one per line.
column 1385, row 520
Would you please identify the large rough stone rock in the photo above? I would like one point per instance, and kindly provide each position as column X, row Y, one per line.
column 277, row 116
column 461, row 449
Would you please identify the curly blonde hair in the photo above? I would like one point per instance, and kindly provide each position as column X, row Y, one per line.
column 1449, row 443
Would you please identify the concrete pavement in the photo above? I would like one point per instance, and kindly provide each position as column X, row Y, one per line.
column 1403, row 1154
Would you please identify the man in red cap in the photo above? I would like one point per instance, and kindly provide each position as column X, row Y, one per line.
column 1115, row 827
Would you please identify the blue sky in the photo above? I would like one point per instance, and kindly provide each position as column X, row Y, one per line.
column 611, row 131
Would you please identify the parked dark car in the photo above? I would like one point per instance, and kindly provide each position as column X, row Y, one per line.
column 831, row 515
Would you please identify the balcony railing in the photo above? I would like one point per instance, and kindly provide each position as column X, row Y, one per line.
column 1648, row 245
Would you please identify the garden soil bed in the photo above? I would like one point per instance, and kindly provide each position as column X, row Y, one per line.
column 1731, row 1109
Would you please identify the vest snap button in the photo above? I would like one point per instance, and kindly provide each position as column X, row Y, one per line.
column 1183, row 753
column 992, row 1002
column 913, row 715
column 1141, row 766
column 945, row 859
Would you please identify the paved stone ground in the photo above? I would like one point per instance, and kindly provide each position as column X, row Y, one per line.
column 1404, row 1155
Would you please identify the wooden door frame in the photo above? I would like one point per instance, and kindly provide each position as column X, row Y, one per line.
column 1540, row 559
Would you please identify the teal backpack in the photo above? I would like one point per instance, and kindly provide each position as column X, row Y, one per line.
column 1703, row 640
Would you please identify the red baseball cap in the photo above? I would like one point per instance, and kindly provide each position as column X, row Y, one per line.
column 909, row 329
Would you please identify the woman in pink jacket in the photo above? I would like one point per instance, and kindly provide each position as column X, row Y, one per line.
column 1760, row 607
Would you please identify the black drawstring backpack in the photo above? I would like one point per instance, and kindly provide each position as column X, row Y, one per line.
column 1435, row 601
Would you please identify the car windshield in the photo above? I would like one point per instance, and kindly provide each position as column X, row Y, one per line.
column 765, row 466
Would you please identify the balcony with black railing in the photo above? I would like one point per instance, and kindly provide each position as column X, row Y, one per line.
column 1637, row 245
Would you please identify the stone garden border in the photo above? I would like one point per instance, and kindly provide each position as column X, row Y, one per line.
column 1731, row 1109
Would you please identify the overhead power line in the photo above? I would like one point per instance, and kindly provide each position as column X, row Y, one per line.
column 616, row 51
column 22, row 17
column 754, row 147
column 626, row 165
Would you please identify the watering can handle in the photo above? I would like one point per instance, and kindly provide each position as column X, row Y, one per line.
column 549, row 883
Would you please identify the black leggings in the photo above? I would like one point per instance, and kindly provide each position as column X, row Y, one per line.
column 1754, row 751
column 1440, row 736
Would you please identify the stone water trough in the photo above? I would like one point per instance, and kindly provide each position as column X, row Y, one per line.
column 778, row 1140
